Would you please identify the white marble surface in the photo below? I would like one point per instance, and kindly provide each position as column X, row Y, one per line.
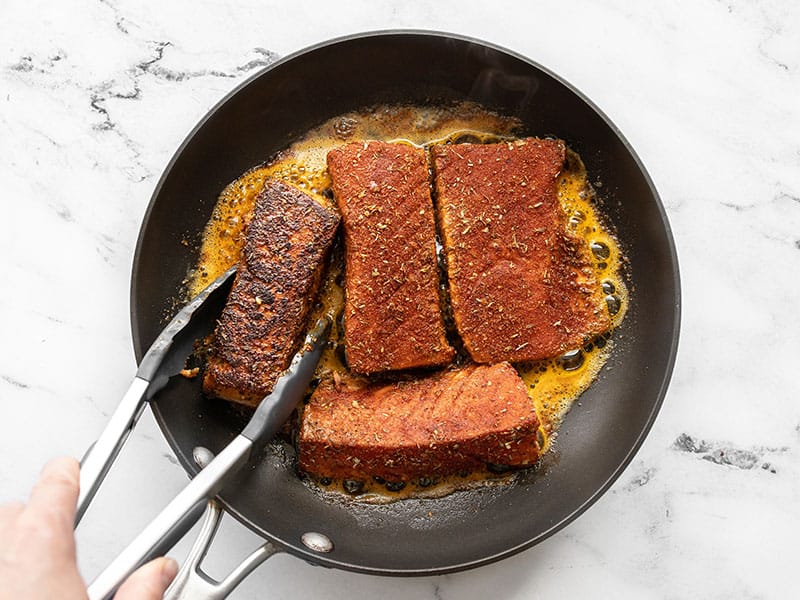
column 96, row 96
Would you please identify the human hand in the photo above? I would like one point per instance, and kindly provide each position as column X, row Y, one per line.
column 37, row 545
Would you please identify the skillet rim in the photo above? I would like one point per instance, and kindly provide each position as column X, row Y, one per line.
column 300, row 551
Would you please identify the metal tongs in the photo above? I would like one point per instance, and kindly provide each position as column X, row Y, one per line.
column 166, row 358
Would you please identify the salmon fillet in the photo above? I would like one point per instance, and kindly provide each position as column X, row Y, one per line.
column 521, row 286
column 439, row 425
column 261, row 326
column 392, row 318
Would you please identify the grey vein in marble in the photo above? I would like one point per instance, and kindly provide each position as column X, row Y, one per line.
column 16, row 383
column 640, row 479
column 726, row 454
column 127, row 86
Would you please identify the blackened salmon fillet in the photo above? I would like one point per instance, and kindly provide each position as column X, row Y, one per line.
column 522, row 286
column 452, row 421
column 285, row 247
column 392, row 317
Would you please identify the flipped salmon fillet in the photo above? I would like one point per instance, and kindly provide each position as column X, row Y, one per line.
column 392, row 318
column 286, row 243
column 439, row 425
column 522, row 287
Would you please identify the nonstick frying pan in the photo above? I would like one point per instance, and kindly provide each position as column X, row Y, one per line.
column 599, row 436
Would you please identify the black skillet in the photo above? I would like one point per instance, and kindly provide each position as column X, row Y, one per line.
column 599, row 436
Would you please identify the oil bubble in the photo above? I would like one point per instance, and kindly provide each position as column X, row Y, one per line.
column 571, row 361
column 498, row 469
column 466, row 138
column 600, row 250
column 614, row 303
column 577, row 218
column 345, row 127
column 353, row 486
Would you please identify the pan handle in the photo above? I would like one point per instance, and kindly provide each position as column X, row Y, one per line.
column 192, row 583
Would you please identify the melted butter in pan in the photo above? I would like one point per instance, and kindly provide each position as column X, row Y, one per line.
column 553, row 385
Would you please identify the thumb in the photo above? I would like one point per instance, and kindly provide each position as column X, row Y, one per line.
column 149, row 582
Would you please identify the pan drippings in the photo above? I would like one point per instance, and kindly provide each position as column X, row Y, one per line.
column 553, row 385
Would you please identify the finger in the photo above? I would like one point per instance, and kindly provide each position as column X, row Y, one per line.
column 149, row 582
column 8, row 514
column 56, row 492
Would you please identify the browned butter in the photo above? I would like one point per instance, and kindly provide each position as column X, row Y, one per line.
column 553, row 385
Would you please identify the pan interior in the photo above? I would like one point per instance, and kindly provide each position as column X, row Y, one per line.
column 599, row 435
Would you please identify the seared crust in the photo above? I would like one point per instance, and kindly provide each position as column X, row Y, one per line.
column 521, row 286
column 443, row 424
column 392, row 315
column 286, row 242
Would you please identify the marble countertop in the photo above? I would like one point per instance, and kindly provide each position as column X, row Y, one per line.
column 96, row 96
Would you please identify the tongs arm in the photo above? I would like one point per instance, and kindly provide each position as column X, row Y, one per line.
column 187, row 507
column 100, row 455
column 175, row 520
column 165, row 358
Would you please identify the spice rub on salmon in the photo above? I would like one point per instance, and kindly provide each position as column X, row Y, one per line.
column 522, row 287
column 286, row 243
column 453, row 421
column 392, row 318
